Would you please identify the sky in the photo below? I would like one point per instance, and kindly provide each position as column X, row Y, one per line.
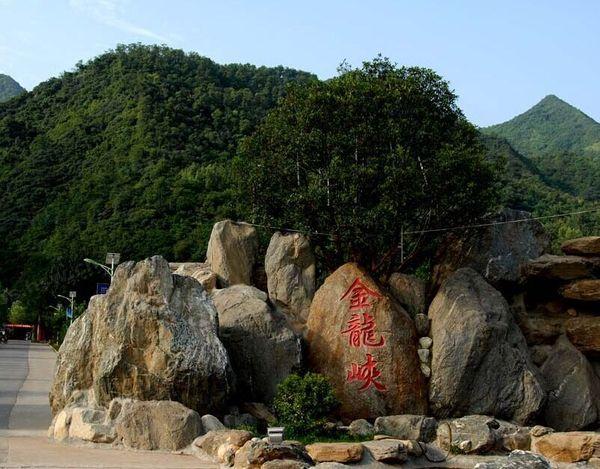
column 500, row 57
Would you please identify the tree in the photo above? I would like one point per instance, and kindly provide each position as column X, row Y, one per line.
column 364, row 156
column 19, row 314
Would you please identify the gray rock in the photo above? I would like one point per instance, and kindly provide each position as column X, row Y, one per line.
column 573, row 388
column 232, row 251
column 426, row 370
column 496, row 252
column 407, row 427
column 89, row 425
column 472, row 434
column 290, row 270
column 424, row 355
column 198, row 270
column 387, row 451
column 422, row 324
column 150, row 425
column 539, row 353
column 425, row 342
column 409, row 291
column 361, row 427
column 480, row 361
column 262, row 347
column 153, row 336
column 517, row 459
column 211, row 423
column 255, row 453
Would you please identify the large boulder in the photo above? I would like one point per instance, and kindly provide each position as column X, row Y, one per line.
column 587, row 246
column 366, row 344
column 149, row 425
column 335, row 452
column 222, row 444
column 573, row 388
column 198, row 270
column 290, row 270
column 231, row 253
column 480, row 361
column 153, row 336
column 409, row 291
column 497, row 252
column 262, row 348
column 254, row 453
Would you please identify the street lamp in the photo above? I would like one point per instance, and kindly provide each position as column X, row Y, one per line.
column 112, row 259
column 71, row 300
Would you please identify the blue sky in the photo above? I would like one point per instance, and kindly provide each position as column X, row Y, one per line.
column 501, row 57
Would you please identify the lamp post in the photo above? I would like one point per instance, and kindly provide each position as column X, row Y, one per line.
column 71, row 300
column 112, row 259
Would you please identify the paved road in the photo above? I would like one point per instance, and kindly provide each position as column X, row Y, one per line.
column 26, row 372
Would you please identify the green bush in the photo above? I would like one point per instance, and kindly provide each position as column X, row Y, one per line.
column 302, row 404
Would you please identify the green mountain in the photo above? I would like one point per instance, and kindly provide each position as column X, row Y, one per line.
column 561, row 141
column 126, row 153
column 552, row 126
column 9, row 88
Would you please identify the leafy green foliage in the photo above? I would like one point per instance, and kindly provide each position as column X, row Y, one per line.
column 128, row 153
column 363, row 155
column 302, row 404
column 561, row 142
column 526, row 187
column 550, row 127
column 9, row 88
column 19, row 314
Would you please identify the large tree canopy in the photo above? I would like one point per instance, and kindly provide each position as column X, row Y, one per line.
column 365, row 155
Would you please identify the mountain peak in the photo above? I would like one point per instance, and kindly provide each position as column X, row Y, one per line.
column 9, row 88
column 552, row 126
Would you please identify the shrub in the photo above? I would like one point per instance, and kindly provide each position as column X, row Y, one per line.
column 302, row 404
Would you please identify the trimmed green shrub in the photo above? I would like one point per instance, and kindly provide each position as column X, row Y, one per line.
column 302, row 404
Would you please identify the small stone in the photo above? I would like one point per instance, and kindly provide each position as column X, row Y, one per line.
column 422, row 324
column 361, row 427
column 387, row 451
column 425, row 342
column 335, row 452
column 211, row 423
column 568, row 447
column 407, row 427
column 424, row 355
column 540, row 430
column 426, row 370
column 285, row 464
column 572, row 312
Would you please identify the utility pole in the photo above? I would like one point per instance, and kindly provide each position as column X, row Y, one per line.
column 71, row 300
column 112, row 259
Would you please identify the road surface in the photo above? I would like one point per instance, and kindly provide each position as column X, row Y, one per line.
column 26, row 372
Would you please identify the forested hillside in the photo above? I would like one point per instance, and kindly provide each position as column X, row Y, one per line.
column 132, row 151
column 9, row 88
column 125, row 153
column 561, row 141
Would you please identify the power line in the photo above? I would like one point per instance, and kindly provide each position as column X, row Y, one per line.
column 434, row 230
column 505, row 222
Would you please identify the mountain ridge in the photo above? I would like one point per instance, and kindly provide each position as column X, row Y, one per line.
column 550, row 126
column 9, row 88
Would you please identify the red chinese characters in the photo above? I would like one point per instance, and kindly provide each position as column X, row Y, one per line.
column 361, row 330
column 367, row 373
